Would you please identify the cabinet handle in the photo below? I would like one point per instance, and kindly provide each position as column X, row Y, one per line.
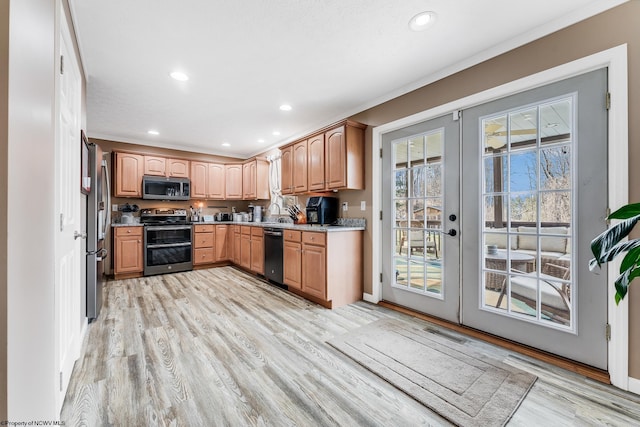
column 139, row 241
column 128, row 231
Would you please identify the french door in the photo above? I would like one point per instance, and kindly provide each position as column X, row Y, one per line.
column 525, row 184
column 420, row 213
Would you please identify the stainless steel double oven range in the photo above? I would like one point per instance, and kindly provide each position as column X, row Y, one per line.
column 167, row 241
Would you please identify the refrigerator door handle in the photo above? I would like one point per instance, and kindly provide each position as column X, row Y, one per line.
column 107, row 222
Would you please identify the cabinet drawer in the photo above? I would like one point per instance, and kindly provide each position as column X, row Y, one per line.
column 128, row 231
column 203, row 240
column 245, row 229
column 292, row 236
column 202, row 228
column 314, row 238
column 203, row 256
column 257, row 231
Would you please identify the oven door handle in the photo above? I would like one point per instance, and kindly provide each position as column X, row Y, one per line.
column 168, row 245
column 167, row 227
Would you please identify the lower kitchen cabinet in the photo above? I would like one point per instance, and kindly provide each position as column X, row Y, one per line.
column 127, row 256
column 222, row 243
column 237, row 244
column 324, row 267
column 257, row 250
column 204, row 239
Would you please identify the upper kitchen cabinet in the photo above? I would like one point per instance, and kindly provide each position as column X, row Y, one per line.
column 344, row 157
column 128, row 172
column 286, row 165
column 255, row 180
column 330, row 159
column 299, row 169
column 161, row 166
column 233, row 181
column 315, row 163
column 199, row 175
column 216, row 180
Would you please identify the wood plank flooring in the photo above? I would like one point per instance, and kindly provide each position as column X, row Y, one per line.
column 218, row 347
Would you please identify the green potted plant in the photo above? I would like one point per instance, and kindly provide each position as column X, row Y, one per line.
column 608, row 246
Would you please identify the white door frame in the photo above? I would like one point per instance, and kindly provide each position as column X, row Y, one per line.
column 615, row 59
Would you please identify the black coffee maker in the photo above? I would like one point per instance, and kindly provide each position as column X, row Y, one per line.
column 322, row 210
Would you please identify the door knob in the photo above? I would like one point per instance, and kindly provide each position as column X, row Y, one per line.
column 452, row 217
column 452, row 232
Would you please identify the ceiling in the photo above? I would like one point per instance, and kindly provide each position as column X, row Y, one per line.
column 327, row 59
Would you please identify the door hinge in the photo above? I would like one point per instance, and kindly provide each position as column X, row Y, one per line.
column 381, row 153
column 60, row 381
column 61, row 222
column 456, row 115
column 380, row 215
column 607, row 332
column 606, row 218
column 61, row 64
column 607, row 100
column 380, row 277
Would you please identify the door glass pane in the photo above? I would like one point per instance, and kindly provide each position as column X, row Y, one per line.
column 418, row 201
column 527, row 213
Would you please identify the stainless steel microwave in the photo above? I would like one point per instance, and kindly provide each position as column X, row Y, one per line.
column 165, row 188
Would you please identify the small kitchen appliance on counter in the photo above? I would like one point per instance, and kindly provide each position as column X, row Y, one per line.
column 322, row 210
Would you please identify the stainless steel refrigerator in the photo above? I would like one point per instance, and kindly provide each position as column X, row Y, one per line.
column 98, row 221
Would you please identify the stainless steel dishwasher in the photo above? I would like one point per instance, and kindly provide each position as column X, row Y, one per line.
column 273, row 255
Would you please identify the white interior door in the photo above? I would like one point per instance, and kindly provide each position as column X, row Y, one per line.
column 420, row 175
column 534, row 195
column 68, row 247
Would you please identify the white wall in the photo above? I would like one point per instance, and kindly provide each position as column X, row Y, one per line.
column 31, row 216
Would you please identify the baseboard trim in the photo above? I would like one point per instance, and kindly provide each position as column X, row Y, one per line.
column 570, row 365
column 369, row 298
column 634, row 385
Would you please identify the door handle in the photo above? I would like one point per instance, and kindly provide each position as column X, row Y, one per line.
column 451, row 232
column 80, row 235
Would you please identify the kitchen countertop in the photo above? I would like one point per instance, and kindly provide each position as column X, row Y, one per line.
column 301, row 227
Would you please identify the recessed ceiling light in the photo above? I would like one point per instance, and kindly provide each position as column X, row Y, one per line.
column 261, row 140
column 226, row 144
column 276, row 133
column 179, row 76
column 153, row 132
column 285, row 107
column 422, row 21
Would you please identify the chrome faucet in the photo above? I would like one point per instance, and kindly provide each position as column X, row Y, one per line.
column 277, row 205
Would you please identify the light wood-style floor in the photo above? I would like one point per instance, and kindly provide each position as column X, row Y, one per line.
column 220, row 348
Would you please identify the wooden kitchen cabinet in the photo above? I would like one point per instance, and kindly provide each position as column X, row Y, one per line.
column 129, row 169
column 257, row 250
column 315, row 163
column 344, row 157
column 299, row 169
column 237, row 244
column 162, row 166
column 222, row 243
column 292, row 259
column 199, row 175
column 255, row 180
column 204, row 239
column 216, row 180
column 245, row 247
column 324, row 267
column 233, row 181
column 286, row 170
column 178, row 168
column 128, row 256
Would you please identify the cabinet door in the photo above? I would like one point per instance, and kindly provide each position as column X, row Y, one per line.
column 292, row 264
column 154, row 165
column 216, row 181
column 257, row 254
column 314, row 270
column 237, row 246
column 128, row 175
column 286, row 170
column 199, row 172
column 245, row 251
column 128, row 254
column 335, row 158
column 249, row 180
column 299, row 170
column 262, row 180
column 178, row 168
column 221, row 243
column 233, row 181
column 315, row 154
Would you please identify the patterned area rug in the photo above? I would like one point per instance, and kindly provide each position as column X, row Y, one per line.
column 459, row 383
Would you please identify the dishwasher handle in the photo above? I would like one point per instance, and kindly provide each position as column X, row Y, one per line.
column 277, row 233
